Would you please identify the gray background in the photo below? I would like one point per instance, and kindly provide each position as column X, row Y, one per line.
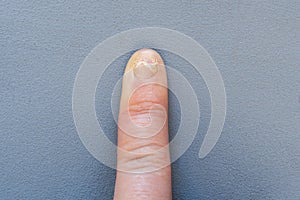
column 255, row 44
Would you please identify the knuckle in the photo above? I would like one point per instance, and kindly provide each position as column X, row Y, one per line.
column 143, row 157
column 143, row 113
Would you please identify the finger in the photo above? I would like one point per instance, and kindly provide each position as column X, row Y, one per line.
column 143, row 169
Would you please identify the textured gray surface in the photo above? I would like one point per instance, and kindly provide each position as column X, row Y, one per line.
column 255, row 45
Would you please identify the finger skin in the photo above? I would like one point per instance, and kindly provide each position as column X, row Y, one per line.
column 143, row 165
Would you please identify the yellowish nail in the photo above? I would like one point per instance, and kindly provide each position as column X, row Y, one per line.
column 145, row 70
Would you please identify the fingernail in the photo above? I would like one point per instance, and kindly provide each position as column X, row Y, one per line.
column 145, row 70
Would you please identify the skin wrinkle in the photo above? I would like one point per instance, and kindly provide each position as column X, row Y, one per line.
column 139, row 147
column 142, row 152
column 142, row 162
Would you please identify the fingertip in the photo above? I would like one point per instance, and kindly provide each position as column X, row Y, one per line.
column 146, row 55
